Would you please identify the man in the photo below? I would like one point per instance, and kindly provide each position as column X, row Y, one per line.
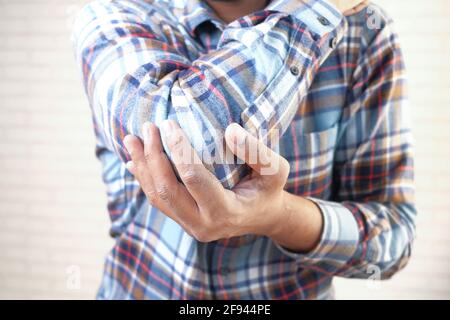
column 311, row 78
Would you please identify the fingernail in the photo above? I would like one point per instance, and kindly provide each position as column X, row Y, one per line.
column 168, row 128
column 146, row 132
column 239, row 135
column 242, row 139
column 230, row 133
column 127, row 142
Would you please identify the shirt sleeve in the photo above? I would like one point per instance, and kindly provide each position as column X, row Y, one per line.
column 134, row 71
column 369, row 226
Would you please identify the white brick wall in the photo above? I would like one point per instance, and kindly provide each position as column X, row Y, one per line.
column 52, row 203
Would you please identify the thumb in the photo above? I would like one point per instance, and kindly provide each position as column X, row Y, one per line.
column 255, row 153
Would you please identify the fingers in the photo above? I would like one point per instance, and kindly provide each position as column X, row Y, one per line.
column 137, row 166
column 156, row 177
column 201, row 184
column 162, row 173
column 168, row 190
column 256, row 154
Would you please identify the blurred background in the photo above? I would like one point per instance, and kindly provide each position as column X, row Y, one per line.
column 53, row 219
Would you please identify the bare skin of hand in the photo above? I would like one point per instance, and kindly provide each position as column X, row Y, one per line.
column 205, row 209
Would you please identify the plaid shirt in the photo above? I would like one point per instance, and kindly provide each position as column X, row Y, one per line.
column 332, row 86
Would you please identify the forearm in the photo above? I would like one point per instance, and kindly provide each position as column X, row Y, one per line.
column 300, row 228
column 369, row 219
column 346, row 239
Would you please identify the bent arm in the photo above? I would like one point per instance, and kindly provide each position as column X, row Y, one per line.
column 135, row 72
column 369, row 226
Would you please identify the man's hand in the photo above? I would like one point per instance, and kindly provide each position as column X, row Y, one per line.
column 207, row 211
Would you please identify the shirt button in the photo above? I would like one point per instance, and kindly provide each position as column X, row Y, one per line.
column 324, row 21
column 333, row 43
column 294, row 70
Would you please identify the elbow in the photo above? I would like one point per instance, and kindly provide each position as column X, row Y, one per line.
column 388, row 270
column 391, row 268
column 403, row 240
column 399, row 249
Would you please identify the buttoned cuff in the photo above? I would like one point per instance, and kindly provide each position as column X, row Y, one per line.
column 338, row 243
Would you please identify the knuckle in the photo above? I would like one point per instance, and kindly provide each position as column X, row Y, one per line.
column 202, row 232
column 278, row 180
column 191, row 177
column 152, row 196
column 164, row 193
column 281, row 173
column 203, row 236
column 285, row 168
column 176, row 142
column 147, row 156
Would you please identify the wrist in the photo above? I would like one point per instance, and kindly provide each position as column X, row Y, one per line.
column 267, row 222
column 280, row 217
column 299, row 225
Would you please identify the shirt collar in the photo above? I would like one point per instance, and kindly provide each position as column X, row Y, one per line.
column 193, row 13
